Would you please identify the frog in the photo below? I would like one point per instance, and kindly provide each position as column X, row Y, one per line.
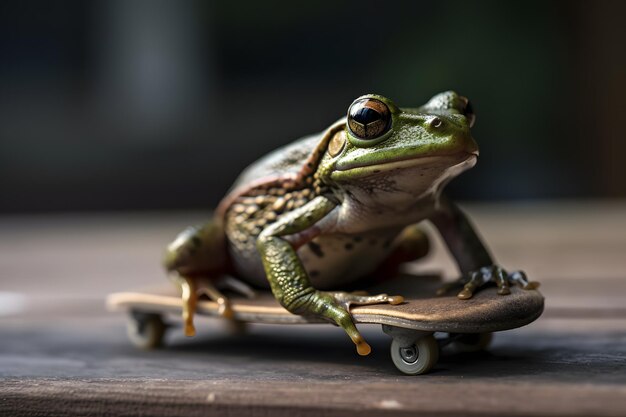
column 325, row 212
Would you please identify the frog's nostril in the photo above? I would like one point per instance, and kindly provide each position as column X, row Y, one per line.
column 436, row 122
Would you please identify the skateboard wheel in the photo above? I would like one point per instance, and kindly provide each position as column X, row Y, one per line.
column 415, row 359
column 145, row 330
column 472, row 342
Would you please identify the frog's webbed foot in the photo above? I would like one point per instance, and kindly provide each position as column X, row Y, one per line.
column 484, row 275
column 335, row 306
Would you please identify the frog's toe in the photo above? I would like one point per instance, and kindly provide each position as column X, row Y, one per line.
column 477, row 279
column 395, row 300
column 500, row 277
column 504, row 291
column 502, row 281
column 532, row 285
column 224, row 308
column 347, row 299
column 363, row 348
column 465, row 294
column 520, row 278
column 190, row 329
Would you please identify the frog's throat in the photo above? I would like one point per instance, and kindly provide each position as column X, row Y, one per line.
column 467, row 159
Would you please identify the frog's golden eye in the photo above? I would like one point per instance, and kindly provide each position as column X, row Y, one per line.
column 369, row 118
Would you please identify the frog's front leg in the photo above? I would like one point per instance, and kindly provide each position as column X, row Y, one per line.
column 290, row 284
column 476, row 264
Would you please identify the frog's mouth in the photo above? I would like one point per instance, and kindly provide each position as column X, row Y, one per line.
column 352, row 169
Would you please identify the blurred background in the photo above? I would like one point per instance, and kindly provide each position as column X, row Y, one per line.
column 159, row 104
column 124, row 121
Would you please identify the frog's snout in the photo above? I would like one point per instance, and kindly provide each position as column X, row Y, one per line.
column 468, row 110
column 452, row 100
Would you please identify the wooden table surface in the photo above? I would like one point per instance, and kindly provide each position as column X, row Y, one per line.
column 61, row 353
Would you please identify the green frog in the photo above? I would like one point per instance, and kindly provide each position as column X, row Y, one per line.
column 331, row 209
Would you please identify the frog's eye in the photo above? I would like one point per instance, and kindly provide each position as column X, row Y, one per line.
column 369, row 118
column 468, row 111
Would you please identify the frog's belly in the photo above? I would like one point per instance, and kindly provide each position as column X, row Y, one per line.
column 332, row 261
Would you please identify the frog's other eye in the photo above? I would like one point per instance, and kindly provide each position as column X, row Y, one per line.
column 468, row 111
column 369, row 118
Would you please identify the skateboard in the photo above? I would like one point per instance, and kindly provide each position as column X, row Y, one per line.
column 467, row 325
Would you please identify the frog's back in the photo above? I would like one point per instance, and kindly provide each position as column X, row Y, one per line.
column 284, row 161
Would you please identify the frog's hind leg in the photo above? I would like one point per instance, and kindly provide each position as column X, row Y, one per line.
column 197, row 255
column 190, row 300
column 224, row 309
column 191, row 288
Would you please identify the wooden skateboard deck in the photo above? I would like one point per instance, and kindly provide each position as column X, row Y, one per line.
column 423, row 310
column 414, row 349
